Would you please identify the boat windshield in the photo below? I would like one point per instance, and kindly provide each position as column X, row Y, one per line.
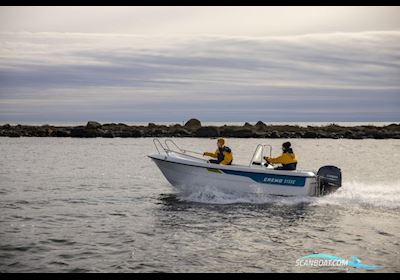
column 259, row 154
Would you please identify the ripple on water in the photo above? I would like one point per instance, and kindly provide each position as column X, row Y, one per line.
column 104, row 206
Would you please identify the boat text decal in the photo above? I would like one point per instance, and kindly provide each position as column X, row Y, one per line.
column 292, row 181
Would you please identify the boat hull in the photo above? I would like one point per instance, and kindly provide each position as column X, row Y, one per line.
column 187, row 176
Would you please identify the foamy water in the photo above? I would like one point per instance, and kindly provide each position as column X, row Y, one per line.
column 101, row 205
column 352, row 194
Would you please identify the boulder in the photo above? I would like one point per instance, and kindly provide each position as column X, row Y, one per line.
column 109, row 124
column 176, row 126
column 160, row 132
column 127, row 133
column 207, row 131
column 379, row 134
column 261, row 126
column 136, row 133
column 285, row 135
column 323, row 134
column 357, row 136
column 348, row 134
column 193, row 123
column 83, row 132
column 41, row 132
column 369, row 132
column 93, row 124
column 115, row 127
column 298, row 134
column 179, row 132
column 275, row 134
column 396, row 136
column 244, row 133
column 60, row 133
column 108, row 134
column 228, row 132
column 392, row 127
column 13, row 133
column 310, row 134
column 260, row 134
column 247, row 125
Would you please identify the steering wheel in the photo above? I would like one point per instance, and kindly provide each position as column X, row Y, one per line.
column 266, row 161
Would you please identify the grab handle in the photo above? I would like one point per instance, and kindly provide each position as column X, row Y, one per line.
column 155, row 141
column 181, row 150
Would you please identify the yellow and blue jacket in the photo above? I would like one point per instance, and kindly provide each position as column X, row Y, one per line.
column 223, row 155
column 287, row 158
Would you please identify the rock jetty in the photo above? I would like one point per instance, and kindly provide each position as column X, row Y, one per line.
column 194, row 128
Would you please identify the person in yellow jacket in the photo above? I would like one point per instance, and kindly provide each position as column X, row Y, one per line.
column 223, row 154
column 287, row 159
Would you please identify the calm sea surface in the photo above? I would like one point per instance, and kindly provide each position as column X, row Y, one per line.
column 101, row 205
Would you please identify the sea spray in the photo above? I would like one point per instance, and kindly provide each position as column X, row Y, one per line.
column 351, row 194
column 211, row 195
column 358, row 194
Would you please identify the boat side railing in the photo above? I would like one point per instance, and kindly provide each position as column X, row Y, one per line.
column 155, row 141
column 173, row 143
column 178, row 150
column 167, row 149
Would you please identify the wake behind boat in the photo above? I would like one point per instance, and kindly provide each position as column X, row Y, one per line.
column 187, row 173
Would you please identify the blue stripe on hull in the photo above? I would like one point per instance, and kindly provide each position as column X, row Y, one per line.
column 285, row 180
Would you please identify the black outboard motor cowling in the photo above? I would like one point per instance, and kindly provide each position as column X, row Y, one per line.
column 329, row 179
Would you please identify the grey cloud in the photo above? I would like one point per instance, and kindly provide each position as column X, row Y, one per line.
column 286, row 78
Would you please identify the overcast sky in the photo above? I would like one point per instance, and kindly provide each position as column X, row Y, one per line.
column 126, row 64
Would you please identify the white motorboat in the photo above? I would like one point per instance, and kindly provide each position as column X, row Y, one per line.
column 187, row 173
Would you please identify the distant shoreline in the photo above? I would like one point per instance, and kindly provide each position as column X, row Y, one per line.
column 216, row 123
column 194, row 128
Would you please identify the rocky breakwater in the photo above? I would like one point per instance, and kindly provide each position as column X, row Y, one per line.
column 194, row 128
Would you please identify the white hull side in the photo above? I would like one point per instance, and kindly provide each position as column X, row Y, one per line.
column 188, row 178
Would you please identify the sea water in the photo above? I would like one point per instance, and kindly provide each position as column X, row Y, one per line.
column 101, row 205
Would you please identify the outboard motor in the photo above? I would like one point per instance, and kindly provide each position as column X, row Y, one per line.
column 329, row 179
